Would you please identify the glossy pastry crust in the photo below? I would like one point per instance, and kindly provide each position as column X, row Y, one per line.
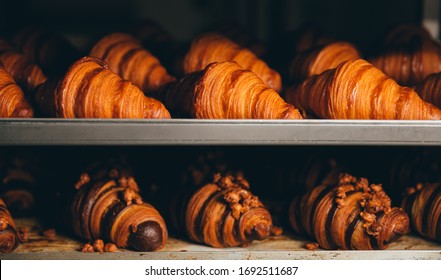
column 423, row 205
column 225, row 90
column 349, row 215
column 224, row 213
column 9, row 235
column 13, row 103
column 107, row 205
column 430, row 89
column 90, row 90
column 358, row 90
column 126, row 57
column 213, row 47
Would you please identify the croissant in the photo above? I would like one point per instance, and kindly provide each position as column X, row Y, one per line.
column 18, row 182
column 9, row 235
column 316, row 60
column 28, row 75
column 225, row 90
column 13, row 103
column 430, row 89
column 358, row 90
column 423, row 205
column 224, row 213
column 51, row 51
column 90, row 90
column 127, row 58
column 406, row 33
column 411, row 62
column 107, row 205
column 213, row 47
column 349, row 215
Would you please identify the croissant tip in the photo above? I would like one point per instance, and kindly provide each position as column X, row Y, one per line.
column 260, row 231
column 148, row 236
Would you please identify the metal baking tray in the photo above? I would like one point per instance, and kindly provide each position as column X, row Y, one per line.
column 217, row 132
column 286, row 246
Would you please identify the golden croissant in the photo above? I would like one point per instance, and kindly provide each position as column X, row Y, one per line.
column 27, row 74
column 316, row 60
column 409, row 57
column 358, row 90
column 127, row 58
column 213, row 47
column 423, row 205
column 107, row 205
column 9, row 235
column 224, row 213
column 224, row 90
column 430, row 89
column 90, row 90
column 13, row 103
column 49, row 50
column 349, row 215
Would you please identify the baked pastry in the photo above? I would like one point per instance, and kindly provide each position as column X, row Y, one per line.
column 107, row 205
column 27, row 74
column 423, row 205
column 430, row 89
column 410, row 56
column 126, row 57
column 51, row 51
column 224, row 213
column 224, row 90
column 213, row 47
column 316, row 60
column 90, row 90
column 358, row 90
column 9, row 235
column 349, row 215
column 19, row 178
column 13, row 103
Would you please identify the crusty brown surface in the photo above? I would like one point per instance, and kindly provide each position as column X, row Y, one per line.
column 358, row 90
column 13, row 103
column 213, row 47
column 127, row 58
column 225, row 90
column 430, row 89
column 90, row 90
column 349, row 215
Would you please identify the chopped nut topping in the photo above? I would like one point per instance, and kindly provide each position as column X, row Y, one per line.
column 312, row 246
column 84, row 179
column 87, row 248
column 98, row 245
column 110, row 247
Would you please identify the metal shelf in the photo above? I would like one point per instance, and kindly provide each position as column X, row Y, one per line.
column 217, row 132
column 279, row 247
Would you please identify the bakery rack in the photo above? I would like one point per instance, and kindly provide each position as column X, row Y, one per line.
column 45, row 133
column 268, row 18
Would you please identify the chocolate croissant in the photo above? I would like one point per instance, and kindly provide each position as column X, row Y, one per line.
column 127, row 58
column 350, row 215
column 225, row 90
column 13, row 103
column 9, row 235
column 19, row 178
column 316, row 60
column 412, row 61
column 430, row 89
column 358, row 90
column 213, row 47
column 90, row 90
column 224, row 213
column 27, row 74
column 423, row 205
column 51, row 51
column 107, row 205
